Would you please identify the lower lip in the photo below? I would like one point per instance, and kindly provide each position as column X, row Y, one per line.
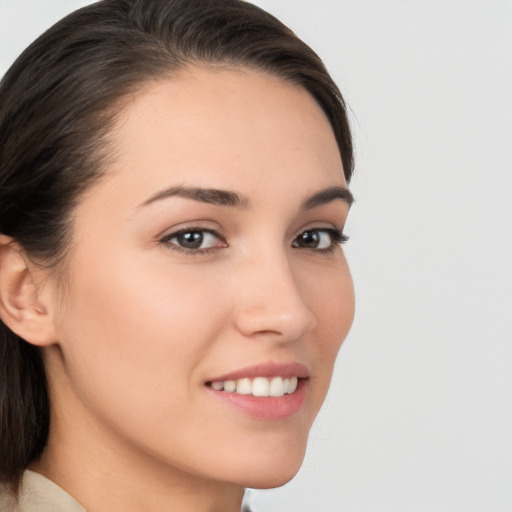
column 268, row 407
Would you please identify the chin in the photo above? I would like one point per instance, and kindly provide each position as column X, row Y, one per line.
column 271, row 481
column 274, row 472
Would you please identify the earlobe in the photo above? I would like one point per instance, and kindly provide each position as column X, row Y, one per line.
column 22, row 306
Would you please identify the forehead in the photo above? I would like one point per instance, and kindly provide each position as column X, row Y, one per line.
column 239, row 130
column 229, row 117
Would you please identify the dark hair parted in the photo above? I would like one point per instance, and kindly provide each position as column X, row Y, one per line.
column 57, row 104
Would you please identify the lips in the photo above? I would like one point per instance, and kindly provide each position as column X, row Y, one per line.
column 268, row 391
column 284, row 370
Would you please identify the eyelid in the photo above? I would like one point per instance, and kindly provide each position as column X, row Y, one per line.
column 190, row 225
column 191, row 229
column 166, row 240
column 337, row 236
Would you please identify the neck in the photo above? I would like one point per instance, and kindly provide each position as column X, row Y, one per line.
column 102, row 470
column 109, row 480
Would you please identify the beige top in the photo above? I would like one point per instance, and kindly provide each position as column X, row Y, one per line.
column 38, row 494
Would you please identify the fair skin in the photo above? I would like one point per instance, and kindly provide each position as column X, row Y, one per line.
column 146, row 323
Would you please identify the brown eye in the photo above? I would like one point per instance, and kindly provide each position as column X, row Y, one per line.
column 190, row 240
column 319, row 239
column 194, row 240
column 308, row 239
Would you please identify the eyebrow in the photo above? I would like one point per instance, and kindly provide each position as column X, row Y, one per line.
column 328, row 195
column 233, row 199
column 204, row 195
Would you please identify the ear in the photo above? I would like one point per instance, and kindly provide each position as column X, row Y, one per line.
column 22, row 301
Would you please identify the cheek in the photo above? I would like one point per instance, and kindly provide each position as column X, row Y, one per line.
column 333, row 304
column 131, row 333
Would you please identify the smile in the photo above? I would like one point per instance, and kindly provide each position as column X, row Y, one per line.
column 258, row 386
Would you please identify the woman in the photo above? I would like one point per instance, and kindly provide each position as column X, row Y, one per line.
column 173, row 291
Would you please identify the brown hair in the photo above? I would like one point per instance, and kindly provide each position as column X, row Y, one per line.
column 57, row 103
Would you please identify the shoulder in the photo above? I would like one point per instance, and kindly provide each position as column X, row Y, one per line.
column 8, row 501
column 37, row 494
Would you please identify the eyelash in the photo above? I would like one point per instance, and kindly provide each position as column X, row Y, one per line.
column 337, row 239
column 166, row 240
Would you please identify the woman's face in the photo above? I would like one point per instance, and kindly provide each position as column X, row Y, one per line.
column 208, row 255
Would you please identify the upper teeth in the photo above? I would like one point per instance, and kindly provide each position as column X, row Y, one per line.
column 259, row 386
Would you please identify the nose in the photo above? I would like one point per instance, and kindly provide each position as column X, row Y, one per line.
column 271, row 301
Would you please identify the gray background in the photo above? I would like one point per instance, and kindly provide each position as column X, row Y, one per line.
column 419, row 417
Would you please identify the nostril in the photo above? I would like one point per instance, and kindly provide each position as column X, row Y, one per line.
column 284, row 325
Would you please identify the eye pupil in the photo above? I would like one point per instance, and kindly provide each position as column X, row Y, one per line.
column 190, row 240
column 309, row 239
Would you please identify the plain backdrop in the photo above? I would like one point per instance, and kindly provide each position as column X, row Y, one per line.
column 419, row 417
